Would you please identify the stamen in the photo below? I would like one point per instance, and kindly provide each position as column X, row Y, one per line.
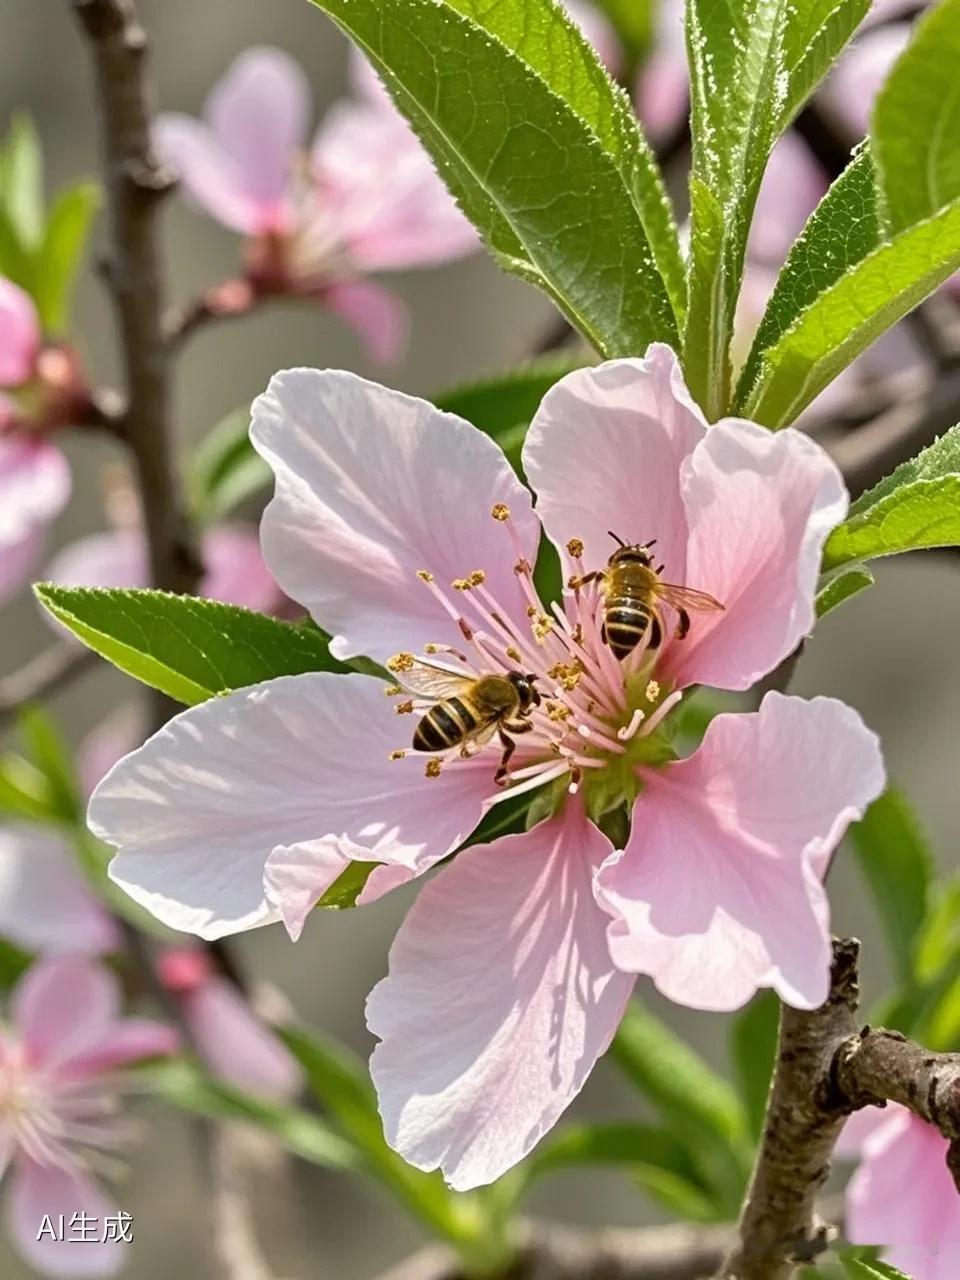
column 665, row 707
column 392, row 690
column 500, row 511
column 652, row 691
column 575, row 548
column 628, row 730
column 432, row 767
column 509, row 792
column 425, row 575
column 404, row 708
column 400, row 662
column 399, row 754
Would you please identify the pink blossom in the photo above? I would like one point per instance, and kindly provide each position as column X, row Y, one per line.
column 236, row 1044
column 502, row 991
column 902, row 1195
column 235, row 572
column 367, row 199
column 597, row 29
column 34, row 476
column 61, row 1079
column 662, row 91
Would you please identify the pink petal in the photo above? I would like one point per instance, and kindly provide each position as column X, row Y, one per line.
column 45, row 904
column 717, row 892
column 196, row 812
column 902, row 1197
column 259, row 112
column 18, row 556
column 34, row 488
column 853, row 85
column 235, row 572
column 62, row 1006
column 39, row 1191
column 861, row 1126
column 379, row 188
column 210, row 176
column 121, row 732
column 377, row 316
column 604, row 452
column 500, row 999
column 759, row 508
column 19, row 334
column 372, row 486
column 792, row 187
column 236, row 1045
column 124, row 1041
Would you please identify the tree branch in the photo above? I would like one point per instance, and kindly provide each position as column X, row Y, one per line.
column 43, row 676
column 135, row 184
column 826, row 1069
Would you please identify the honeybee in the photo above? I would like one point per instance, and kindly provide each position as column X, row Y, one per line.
column 632, row 592
column 470, row 709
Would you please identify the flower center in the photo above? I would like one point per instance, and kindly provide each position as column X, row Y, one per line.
column 599, row 720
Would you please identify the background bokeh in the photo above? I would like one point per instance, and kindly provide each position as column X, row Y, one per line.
column 892, row 653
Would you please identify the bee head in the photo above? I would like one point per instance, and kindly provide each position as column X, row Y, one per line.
column 631, row 552
column 526, row 688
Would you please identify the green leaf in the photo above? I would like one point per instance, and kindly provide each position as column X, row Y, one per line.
column 189, row 649
column 753, row 63
column 542, row 186
column 847, row 317
column 184, row 1084
column 654, row 1157
column 60, row 253
column 552, row 44
column 916, row 121
column 939, row 942
column 225, row 469
column 46, row 749
column 13, row 964
column 840, row 232
column 916, row 506
column 21, row 179
column 699, row 1106
column 753, row 1048
column 841, row 587
column 896, row 862
column 16, row 260
column 24, row 791
column 340, row 1083
column 635, row 24
column 348, row 886
column 861, row 1269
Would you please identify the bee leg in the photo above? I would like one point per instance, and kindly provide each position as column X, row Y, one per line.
column 509, row 747
column 683, row 627
column 577, row 582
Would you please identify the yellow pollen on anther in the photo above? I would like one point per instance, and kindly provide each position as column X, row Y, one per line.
column 500, row 511
column 652, row 692
column 578, row 633
column 432, row 767
column 391, row 690
column 431, row 648
column 557, row 712
column 513, row 653
column 531, row 611
column 542, row 627
column 398, row 755
column 424, row 575
column 522, row 568
column 400, row 662
column 478, row 578
column 404, row 708
column 575, row 548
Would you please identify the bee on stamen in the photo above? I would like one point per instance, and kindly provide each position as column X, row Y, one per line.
column 632, row 593
column 469, row 710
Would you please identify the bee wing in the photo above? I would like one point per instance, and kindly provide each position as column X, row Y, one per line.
column 435, row 680
column 687, row 598
column 479, row 738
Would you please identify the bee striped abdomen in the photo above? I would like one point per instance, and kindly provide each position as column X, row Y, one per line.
column 445, row 725
column 625, row 625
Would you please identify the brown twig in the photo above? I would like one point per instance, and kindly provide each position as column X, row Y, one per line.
column 827, row 1068
column 135, row 184
column 228, row 300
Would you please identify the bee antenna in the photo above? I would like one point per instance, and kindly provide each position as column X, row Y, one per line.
column 651, row 543
column 616, row 538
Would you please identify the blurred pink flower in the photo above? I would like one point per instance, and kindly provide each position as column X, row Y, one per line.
column 902, row 1195
column 232, row 1040
column 245, row 809
column 367, row 199
column 662, row 92
column 61, row 1081
column 235, row 571
column 34, row 476
column 853, row 85
column 597, row 29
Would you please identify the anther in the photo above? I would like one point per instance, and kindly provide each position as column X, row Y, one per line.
column 575, row 548
column 522, row 568
column 425, row 575
column 400, row 662
column 461, row 584
column 652, row 692
column 532, row 610
column 500, row 511
column 432, row 767
column 431, row 648
column 397, row 755
column 477, row 578
column 404, row 708
column 513, row 653
column 391, row 690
